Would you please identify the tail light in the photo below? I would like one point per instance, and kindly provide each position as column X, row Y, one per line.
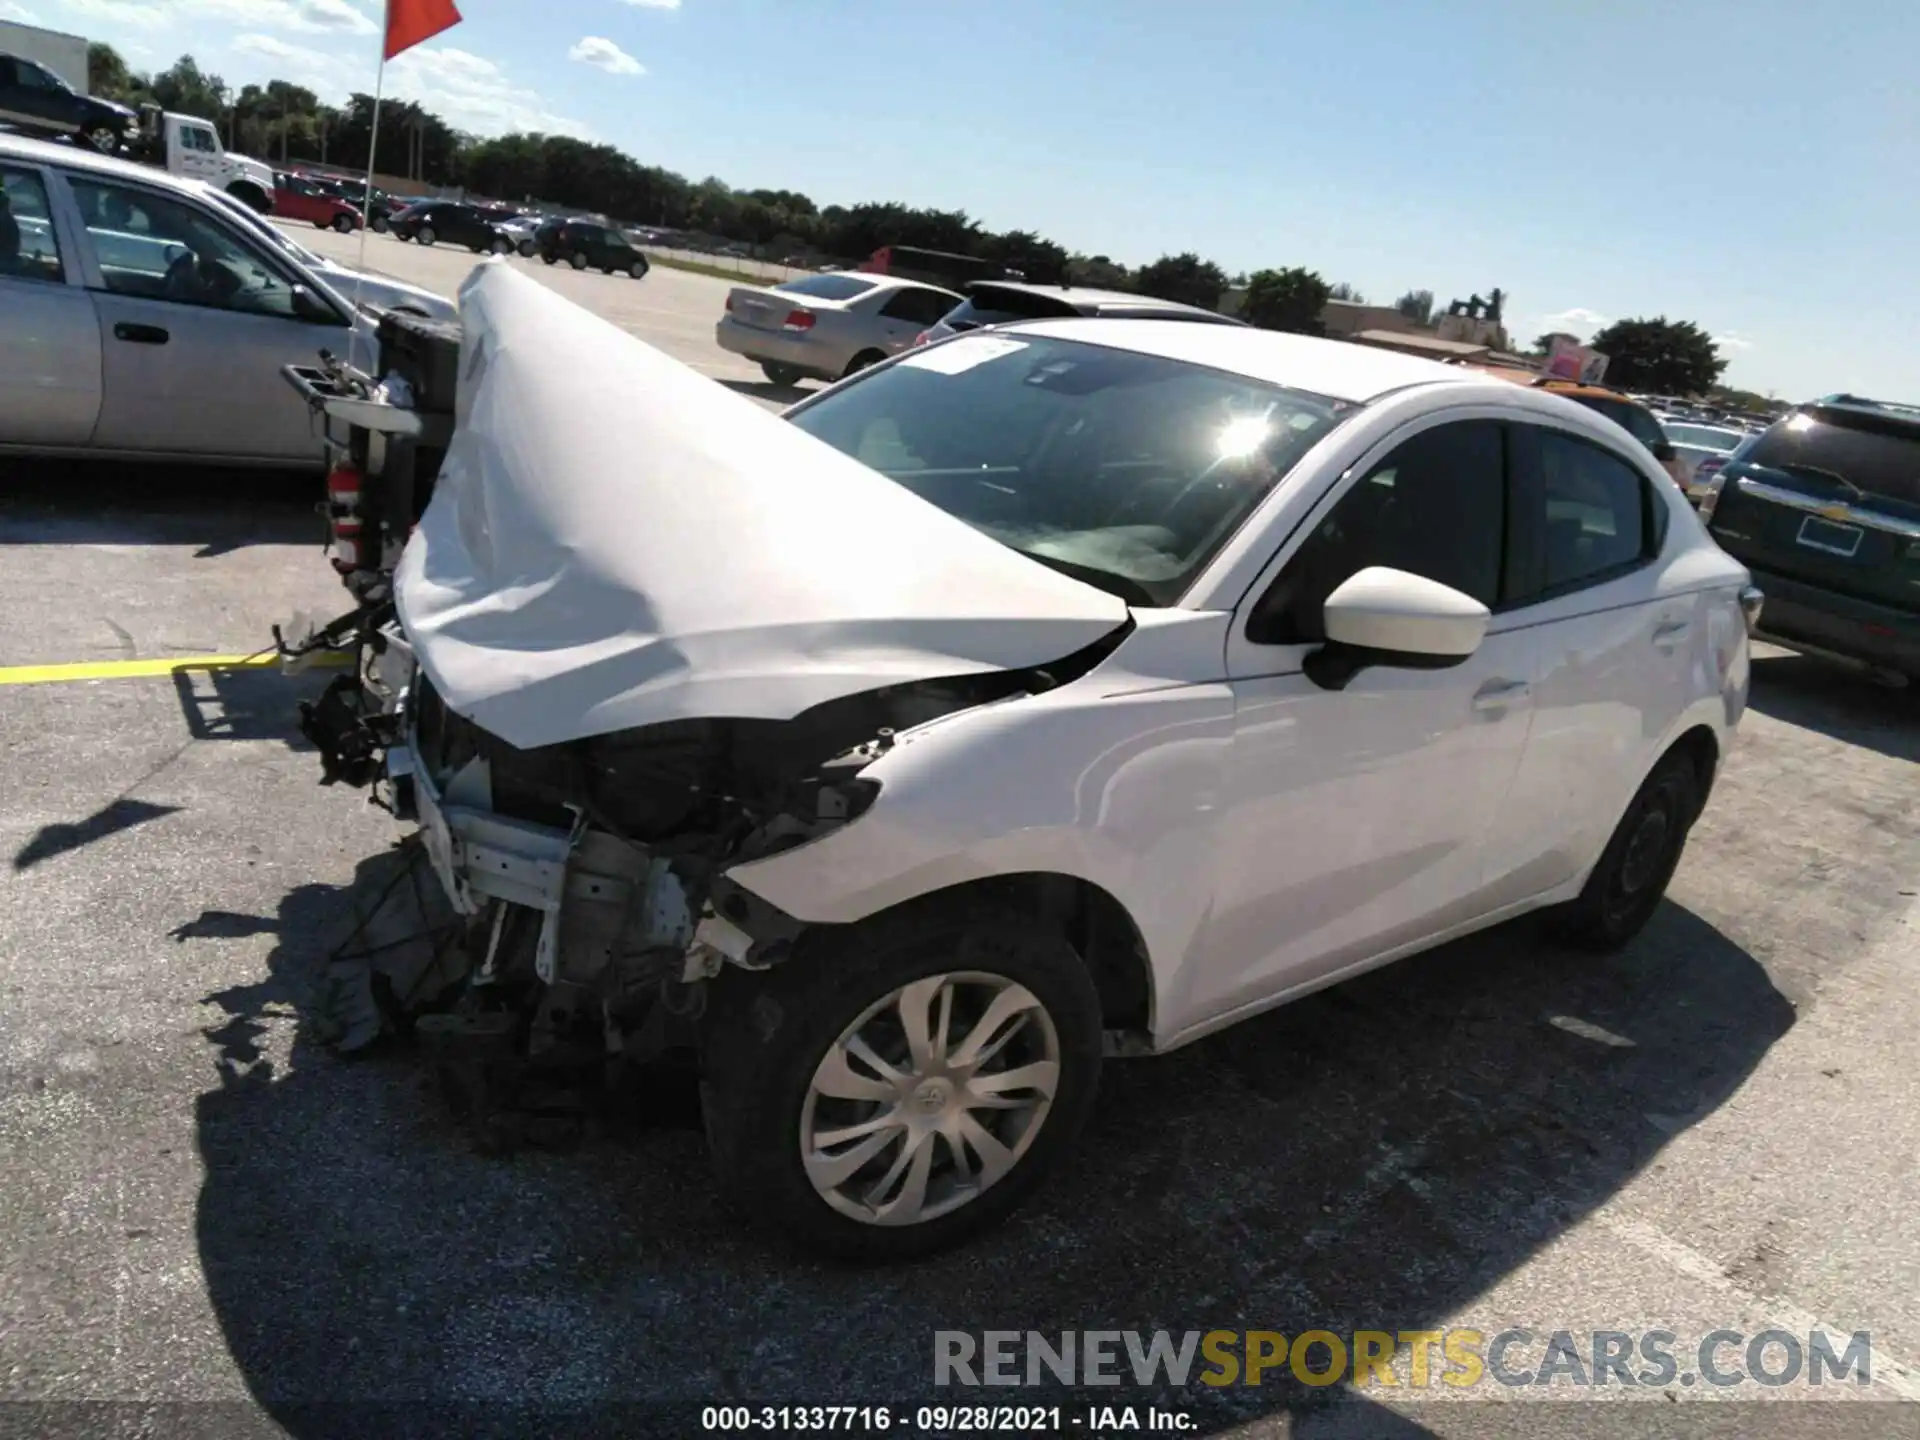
column 798, row 320
column 923, row 337
column 1705, row 470
column 729, row 304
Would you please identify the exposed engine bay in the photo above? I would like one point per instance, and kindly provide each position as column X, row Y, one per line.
column 571, row 910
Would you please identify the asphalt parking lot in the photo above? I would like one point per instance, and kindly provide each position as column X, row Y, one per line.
column 1715, row 1130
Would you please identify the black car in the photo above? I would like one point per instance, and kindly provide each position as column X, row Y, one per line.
column 431, row 221
column 1824, row 508
column 33, row 98
column 584, row 243
column 999, row 302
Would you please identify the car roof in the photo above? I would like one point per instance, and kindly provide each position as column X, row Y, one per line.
column 73, row 157
column 1572, row 389
column 1090, row 300
column 1334, row 368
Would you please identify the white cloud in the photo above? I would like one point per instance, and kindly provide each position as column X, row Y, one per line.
column 1577, row 321
column 313, row 17
column 472, row 93
column 653, row 4
column 1732, row 340
column 603, row 54
column 11, row 11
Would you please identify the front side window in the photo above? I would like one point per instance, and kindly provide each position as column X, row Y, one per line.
column 1435, row 507
column 1596, row 514
column 158, row 248
column 28, row 247
column 1129, row 471
column 31, row 77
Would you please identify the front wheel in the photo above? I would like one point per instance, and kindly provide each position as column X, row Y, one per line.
column 1632, row 874
column 550, row 258
column 343, row 223
column 861, row 362
column 904, row 1085
column 577, row 260
column 102, row 139
column 500, row 246
column 527, row 249
column 638, row 270
column 424, row 235
column 379, row 225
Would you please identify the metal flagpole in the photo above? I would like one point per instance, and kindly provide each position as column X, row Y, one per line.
column 366, row 200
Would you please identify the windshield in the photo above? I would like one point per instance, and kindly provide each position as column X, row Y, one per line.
column 1876, row 459
column 992, row 305
column 1129, row 471
column 827, row 287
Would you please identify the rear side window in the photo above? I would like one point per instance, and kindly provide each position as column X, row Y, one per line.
column 1881, row 458
column 1630, row 417
column 826, row 287
column 917, row 306
column 1597, row 513
column 28, row 250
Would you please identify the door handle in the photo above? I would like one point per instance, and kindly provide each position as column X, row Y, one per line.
column 1671, row 631
column 1499, row 694
column 140, row 334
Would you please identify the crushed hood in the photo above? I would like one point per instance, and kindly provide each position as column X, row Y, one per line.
column 615, row 541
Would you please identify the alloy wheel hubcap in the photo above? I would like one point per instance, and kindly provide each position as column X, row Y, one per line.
column 929, row 1098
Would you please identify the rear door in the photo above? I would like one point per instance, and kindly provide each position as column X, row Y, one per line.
column 50, row 363
column 194, row 321
column 1830, row 497
column 908, row 311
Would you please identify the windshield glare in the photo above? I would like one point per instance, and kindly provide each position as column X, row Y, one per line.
column 1127, row 470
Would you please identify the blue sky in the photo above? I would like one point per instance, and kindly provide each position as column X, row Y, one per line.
column 1746, row 164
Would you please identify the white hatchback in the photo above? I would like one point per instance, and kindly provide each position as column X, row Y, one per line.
column 1043, row 696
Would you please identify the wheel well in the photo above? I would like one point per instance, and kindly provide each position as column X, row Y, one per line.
column 1700, row 747
column 1098, row 927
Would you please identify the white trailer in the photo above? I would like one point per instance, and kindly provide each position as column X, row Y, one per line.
column 65, row 55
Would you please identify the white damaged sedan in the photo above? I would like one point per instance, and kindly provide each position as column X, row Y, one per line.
column 1037, row 698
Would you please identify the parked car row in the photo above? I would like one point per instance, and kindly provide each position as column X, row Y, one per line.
column 581, row 244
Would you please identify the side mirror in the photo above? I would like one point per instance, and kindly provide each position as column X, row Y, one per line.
column 1664, row 451
column 1382, row 616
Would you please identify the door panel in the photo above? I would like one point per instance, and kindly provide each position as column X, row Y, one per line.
column 50, row 365
column 1359, row 815
column 211, row 387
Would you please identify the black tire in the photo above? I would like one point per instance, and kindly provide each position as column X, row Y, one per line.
column 861, row 362
column 780, row 374
column 527, row 249
column 772, row 1031
column 578, row 260
column 500, row 245
column 638, row 270
column 1627, row 884
column 100, row 138
column 424, row 235
column 379, row 225
column 343, row 223
column 550, row 258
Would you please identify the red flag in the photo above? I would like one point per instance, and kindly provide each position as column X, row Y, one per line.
column 411, row 21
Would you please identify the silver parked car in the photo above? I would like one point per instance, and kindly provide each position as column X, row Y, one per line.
column 1701, row 449
column 140, row 318
column 825, row 326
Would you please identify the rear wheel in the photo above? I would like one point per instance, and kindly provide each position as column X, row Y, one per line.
column 379, row 225
column 578, row 260
column 424, row 235
column 549, row 257
column 343, row 223
column 1628, row 882
column 905, row 1084
column 780, row 374
column 638, row 270
column 527, row 249
column 103, row 139
column 500, row 246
